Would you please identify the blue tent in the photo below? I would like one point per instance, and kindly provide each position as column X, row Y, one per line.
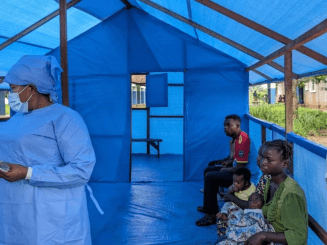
column 109, row 41
column 132, row 41
column 289, row 19
column 4, row 87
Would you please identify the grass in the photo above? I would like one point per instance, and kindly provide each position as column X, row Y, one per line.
column 308, row 121
column 7, row 109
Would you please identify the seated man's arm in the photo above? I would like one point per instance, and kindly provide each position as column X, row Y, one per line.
column 230, row 195
column 242, row 150
column 227, row 161
column 233, row 169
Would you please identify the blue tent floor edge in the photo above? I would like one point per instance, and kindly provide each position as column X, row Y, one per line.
column 148, row 213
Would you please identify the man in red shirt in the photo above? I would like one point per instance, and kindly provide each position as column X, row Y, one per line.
column 220, row 173
column 239, row 146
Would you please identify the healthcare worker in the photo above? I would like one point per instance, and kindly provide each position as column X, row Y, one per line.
column 51, row 158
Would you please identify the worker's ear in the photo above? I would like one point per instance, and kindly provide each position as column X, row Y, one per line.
column 33, row 88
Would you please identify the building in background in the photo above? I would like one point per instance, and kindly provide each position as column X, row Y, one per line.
column 4, row 88
column 312, row 96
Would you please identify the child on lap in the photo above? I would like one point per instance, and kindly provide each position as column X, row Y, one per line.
column 242, row 188
column 245, row 223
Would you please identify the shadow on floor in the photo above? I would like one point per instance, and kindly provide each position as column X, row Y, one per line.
column 149, row 168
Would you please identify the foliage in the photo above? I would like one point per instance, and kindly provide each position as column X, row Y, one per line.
column 321, row 78
column 7, row 110
column 302, row 82
column 315, row 79
column 308, row 122
column 271, row 113
column 261, row 94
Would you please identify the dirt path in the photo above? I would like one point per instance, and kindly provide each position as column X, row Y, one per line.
column 321, row 139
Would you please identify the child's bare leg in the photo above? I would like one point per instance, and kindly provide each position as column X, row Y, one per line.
column 222, row 216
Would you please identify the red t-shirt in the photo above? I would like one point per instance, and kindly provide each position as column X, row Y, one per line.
column 241, row 147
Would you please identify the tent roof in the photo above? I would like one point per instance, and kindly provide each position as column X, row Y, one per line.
column 142, row 43
column 289, row 18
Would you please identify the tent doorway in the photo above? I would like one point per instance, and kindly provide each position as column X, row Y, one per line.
column 157, row 132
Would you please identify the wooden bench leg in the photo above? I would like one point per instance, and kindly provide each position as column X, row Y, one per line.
column 148, row 148
column 155, row 146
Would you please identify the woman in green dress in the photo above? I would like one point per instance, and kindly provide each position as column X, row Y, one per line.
column 285, row 204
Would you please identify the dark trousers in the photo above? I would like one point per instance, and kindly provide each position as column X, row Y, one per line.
column 212, row 166
column 213, row 179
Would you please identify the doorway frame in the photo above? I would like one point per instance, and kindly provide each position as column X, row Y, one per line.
column 155, row 116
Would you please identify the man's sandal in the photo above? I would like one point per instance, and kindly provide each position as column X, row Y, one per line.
column 206, row 220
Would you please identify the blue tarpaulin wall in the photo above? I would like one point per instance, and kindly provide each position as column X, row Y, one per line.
column 209, row 97
column 309, row 169
column 4, row 86
column 157, row 90
column 131, row 41
column 170, row 130
column 309, row 172
column 162, row 126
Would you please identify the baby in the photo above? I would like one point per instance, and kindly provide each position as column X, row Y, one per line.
column 244, row 224
column 242, row 188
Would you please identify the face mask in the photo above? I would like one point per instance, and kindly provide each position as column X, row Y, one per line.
column 15, row 103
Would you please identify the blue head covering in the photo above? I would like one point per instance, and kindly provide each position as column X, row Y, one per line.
column 42, row 71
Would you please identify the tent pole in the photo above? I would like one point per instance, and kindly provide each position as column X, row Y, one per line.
column 215, row 35
column 262, row 74
column 288, row 93
column 262, row 29
column 313, row 33
column 127, row 4
column 63, row 52
column 35, row 25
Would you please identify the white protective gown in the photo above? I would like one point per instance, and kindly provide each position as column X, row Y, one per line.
column 50, row 208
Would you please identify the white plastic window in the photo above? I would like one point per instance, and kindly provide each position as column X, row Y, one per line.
column 306, row 86
column 312, row 87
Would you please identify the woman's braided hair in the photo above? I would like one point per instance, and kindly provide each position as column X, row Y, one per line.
column 282, row 147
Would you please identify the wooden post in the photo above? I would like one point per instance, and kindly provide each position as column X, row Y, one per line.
column 215, row 35
column 269, row 93
column 320, row 232
column 306, row 37
column 295, row 100
column 35, row 25
column 63, row 52
column 262, row 29
column 288, row 93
